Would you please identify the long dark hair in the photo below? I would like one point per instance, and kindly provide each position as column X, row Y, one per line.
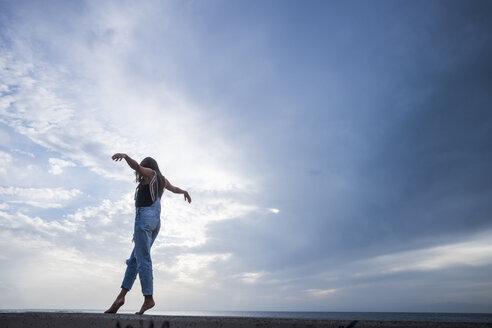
column 151, row 163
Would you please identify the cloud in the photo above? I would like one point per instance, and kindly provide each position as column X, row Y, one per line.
column 33, row 225
column 320, row 292
column 187, row 225
column 57, row 165
column 103, row 111
column 5, row 161
column 20, row 170
column 372, row 155
column 37, row 204
column 38, row 197
column 43, row 267
column 22, row 152
column 58, row 255
column 251, row 277
column 36, row 109
column 96, row 115
column 195, row 269
column 78, row 239
column 475, row 252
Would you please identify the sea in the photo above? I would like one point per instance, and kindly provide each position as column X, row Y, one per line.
column 383, row 316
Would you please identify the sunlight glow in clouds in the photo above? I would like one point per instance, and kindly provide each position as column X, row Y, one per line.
column 187, row 226
column 86, row 119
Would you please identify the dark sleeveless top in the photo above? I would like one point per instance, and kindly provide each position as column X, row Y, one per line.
column 145, row 195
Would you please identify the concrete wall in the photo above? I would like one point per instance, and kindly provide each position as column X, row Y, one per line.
column 100, row 320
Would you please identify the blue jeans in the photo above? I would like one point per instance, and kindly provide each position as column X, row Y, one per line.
column 147, row 225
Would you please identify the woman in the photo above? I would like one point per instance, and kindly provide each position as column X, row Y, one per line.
column 151, row 184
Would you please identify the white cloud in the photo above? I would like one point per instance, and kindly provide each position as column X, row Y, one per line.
column 23, row 152
column 15, row 171
column 195, row 269
column 274, row 210
column 476, row 252
column 320, row 292
column 37, row 204
column 40, row 264
column 39, row 109
column 89, row 130
column 5, row 162
column 87, row 230
column 57, row 165
column 186, row 224
column 34, row 225
column 251, row 277
column 106, row 212
column 19, row 194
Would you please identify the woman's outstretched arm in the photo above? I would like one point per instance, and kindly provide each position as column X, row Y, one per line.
column 177, row 190
column 144, row 171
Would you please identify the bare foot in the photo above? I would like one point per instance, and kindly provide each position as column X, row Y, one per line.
column 116, row 305
column 147, row 304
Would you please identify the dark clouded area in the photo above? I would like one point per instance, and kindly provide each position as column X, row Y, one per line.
column 374, row 138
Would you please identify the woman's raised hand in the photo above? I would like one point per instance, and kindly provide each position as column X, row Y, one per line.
column 118, row 156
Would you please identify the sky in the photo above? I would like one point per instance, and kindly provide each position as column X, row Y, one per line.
column 337, row 153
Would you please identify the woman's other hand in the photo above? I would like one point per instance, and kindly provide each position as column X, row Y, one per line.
column 187, row 197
